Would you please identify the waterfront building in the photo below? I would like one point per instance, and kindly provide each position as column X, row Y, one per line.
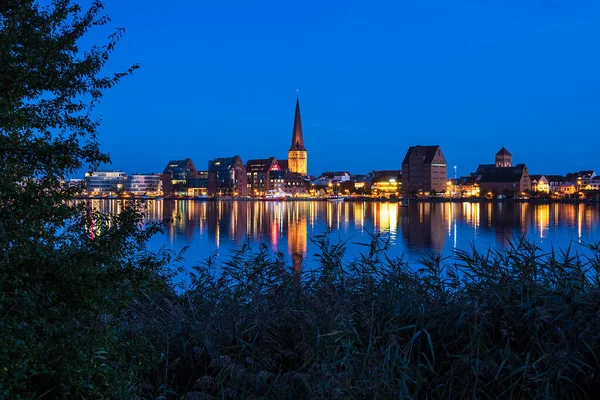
column 503, row 158
column 177, row 175
column 503, row 180
column 581, row 178
column 338, row 176
column 105, row 182
column 593, row 184
column 469, row 187
column 567, row 188
column 386, row 182
column 424, row 170
column 227, row 177
column 144, row 184
column 297, row 155
column 295, row 184
column 539, row 183
column 264, row 175
column 198, row 187
column 554, row 182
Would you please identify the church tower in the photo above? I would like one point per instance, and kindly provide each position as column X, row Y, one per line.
column 297, row 155
column 503, row 158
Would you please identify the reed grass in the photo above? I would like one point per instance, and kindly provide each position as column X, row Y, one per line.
column 514, row 323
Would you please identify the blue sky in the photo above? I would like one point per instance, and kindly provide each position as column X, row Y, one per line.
column 219, row 78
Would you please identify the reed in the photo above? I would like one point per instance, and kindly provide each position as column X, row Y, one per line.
column 514, row 323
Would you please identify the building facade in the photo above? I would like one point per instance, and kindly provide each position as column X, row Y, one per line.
column 263, row 175
column 177, row 175
column 106, row 182
column 503, row 159
column 503, row 180
column 144, row 184
column 198, row 187
column 227, row 177
column 386, row 183
column 297, row 155
column 539, row 183
column 424, row 170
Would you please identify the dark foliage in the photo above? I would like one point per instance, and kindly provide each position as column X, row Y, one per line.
column 64, row 287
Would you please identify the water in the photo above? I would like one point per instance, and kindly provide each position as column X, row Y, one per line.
column 218, row 227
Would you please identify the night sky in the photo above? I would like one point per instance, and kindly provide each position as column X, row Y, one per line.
column 219, row 78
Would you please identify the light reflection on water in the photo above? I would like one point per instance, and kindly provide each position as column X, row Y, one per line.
column 208, row 226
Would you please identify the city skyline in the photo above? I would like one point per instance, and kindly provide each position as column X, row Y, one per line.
column 373, row 81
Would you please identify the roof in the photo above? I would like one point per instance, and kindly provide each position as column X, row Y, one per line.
column 222, row 163
column 261, row 165
column 428, row 153
column 297, row 137
column 483, row 167
column 535, row 177
column 503, row 174
column 174, row 165
column 503, row 152
column 555, row 178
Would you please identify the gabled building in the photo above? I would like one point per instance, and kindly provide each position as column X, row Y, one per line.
column 297, row 155
column 176, row 176
column 263, row 175
column 539, row 183
column 424, row 170
column 227, row 177
column 554, row 182
column 504, row 180
column 593, row 184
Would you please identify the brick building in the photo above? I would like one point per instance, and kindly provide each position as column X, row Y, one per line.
column 503, row 180
column 227, row 177
column 424, row 170
column 176, row 176
column 264, row 175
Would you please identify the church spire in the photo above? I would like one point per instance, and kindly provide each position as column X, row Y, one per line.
column 297, row 138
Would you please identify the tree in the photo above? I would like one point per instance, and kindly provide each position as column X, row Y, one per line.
column 64, row 287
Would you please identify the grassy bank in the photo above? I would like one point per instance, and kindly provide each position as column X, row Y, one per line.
column 506, row 324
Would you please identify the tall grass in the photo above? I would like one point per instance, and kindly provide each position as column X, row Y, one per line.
column 515, row 323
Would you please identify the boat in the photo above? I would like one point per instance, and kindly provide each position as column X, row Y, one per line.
column 275, row 195
column 335, row 197
column 201, row 197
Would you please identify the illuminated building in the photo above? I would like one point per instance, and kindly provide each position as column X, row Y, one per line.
column 198, row 187
column 502, row 177
column 297, row 155
column 176, row 175
column 106, row 182
column 503, row 158
column 539, row 183
column 227, row 177
column 386, row 183
column 504, row 180
column 263, row 175
column 469, row 186
column 424, row 170
column 142, row 184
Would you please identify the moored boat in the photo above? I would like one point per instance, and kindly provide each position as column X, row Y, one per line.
column 335, row 197
column 275, row 195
